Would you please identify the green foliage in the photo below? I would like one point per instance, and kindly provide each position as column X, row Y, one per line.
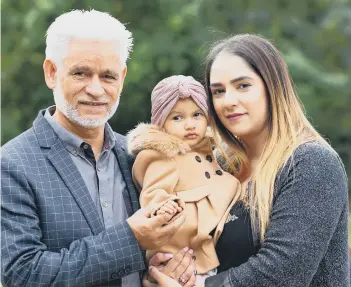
column 172, row 37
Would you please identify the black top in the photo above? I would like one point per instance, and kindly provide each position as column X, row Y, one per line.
column 235, row 245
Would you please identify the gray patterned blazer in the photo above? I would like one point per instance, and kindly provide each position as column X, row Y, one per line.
column 51, row 232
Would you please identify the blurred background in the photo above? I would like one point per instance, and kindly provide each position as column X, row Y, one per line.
column 173, row 37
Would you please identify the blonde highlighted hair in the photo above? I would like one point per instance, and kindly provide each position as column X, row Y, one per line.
column 287, row 123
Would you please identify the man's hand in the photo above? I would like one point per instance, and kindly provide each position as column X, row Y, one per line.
column 152, row 232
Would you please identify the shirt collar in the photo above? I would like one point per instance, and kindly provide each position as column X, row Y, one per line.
column 72, row 142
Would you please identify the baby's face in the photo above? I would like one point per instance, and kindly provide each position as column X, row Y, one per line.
column 187, row 122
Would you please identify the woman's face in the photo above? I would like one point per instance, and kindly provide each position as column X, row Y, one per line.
column 239, row 97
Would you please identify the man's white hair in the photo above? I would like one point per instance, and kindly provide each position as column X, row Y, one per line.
column 86, row 25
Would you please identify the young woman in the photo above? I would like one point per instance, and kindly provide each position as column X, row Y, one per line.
column 290, row 229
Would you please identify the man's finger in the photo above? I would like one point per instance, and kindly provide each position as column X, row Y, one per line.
column 173, row 227
column 160, row 258
column 147, row 210
column 147, row 283
column 160, row 220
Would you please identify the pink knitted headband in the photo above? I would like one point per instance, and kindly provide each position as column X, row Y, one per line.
column 167, row 92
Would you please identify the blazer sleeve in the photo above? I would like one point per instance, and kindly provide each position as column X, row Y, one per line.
column 311, row 201
column 26, row 261
column 156, row 176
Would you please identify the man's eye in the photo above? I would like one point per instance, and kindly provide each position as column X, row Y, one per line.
column 110, row 77
column 79, row 74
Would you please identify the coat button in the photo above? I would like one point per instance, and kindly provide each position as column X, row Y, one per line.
column 198, row 159
column 219, row 172
column 207, row 174
column 209, row 158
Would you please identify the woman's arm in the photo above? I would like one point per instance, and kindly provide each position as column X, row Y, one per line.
column 310, row 205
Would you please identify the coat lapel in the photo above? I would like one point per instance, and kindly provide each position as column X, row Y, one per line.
column 65, row 167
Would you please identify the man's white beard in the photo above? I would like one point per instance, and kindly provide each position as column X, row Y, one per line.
column 72, row 114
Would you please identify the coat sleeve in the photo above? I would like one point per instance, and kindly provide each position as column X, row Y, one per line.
column 26, row 261
column 157, row 177
column 309, row 209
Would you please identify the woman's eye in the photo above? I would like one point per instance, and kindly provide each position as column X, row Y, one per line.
column 218, row 92
column 243, row 86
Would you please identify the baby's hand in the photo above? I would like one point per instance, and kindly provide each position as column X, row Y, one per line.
column 171, row 207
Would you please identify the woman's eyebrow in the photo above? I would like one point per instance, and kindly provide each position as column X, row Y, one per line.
column 214, row 85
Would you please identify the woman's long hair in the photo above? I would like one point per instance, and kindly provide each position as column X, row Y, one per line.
column 287, row 123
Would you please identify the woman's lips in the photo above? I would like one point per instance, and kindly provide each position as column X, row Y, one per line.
column 234, row 116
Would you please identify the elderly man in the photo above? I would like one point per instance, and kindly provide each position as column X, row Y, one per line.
column 67, row 191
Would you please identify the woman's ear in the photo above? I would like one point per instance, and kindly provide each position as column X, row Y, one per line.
column 50, row 73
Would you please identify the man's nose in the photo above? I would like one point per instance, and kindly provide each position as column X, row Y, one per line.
column 95, row 88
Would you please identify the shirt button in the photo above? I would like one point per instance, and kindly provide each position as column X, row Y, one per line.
column 219, row 172
column 198, row 159
column 74, row 152
column 85, row 146
column 207, row 174
column 209, row 158
column 105, row 204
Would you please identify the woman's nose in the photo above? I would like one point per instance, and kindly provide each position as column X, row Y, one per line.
column 230, row 99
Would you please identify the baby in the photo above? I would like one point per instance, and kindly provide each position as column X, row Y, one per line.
column 176, row 169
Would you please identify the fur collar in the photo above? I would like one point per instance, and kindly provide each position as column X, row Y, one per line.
column 148, row 136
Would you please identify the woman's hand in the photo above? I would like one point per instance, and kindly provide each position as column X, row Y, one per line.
column 180, row 267
column 162, row 279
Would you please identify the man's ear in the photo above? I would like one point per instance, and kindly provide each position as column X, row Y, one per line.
column 50, row 73
column 123, row 76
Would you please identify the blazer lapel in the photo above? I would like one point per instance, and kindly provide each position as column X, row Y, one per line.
column 64, row 165
column 130, row 198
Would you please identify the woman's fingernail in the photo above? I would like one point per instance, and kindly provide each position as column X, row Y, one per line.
column 186, row 249
column 169, row 255
column 191, row 252
column 194, row 258
column 195, row 272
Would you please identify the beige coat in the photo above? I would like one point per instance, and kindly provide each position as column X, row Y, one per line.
column 166, row 167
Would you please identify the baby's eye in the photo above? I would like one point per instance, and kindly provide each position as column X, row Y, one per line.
column 176, row 118
column 197, row 115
